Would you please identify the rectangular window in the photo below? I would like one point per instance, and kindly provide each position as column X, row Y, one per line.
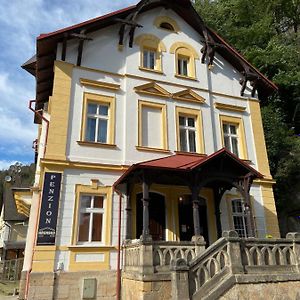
column 187, row 132
column 98, row 120
column 233, row 135
column 182, row 66
column 97, row 123
column 239, row 216
column 230, row 134
column 91, row 218
column 149, row 58
column 152, row 125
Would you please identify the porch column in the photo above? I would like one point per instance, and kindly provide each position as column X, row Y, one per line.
column 218, row 194
column 128, row 235
column 196, row 218
column 146, row 232
column 250, row 217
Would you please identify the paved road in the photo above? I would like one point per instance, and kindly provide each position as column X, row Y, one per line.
column 2, row 297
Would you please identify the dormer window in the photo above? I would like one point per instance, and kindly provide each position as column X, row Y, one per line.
column 151, row 48
column 182, row 65
column 185, row 56
column 167, row 26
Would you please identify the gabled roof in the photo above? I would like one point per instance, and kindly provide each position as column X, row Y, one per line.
column 47, row 43
column 188, row 162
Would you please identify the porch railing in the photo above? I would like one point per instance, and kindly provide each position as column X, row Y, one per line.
column 149, row 257
column 10, row 270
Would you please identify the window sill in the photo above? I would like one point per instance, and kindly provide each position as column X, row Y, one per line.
column 94, row 144
column 151, row 70
column 90, row 246
column 186, row 77
column 190, row 153
column 149, row 149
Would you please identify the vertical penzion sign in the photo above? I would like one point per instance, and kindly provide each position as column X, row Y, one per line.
column 49, row 209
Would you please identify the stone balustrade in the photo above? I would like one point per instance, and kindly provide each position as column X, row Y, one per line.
column 233, row 256
column 149, row 257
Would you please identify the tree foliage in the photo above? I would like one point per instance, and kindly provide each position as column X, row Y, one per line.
column 21, row 176
column 267, row 34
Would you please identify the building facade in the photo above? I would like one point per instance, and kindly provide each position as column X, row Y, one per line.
column 139, row 84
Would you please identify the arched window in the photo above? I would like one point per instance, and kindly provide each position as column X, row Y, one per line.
column 166, row 23
column 167, row 26
column 151, row 49
column 185, row 56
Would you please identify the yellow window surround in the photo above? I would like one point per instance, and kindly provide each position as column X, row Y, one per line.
column 238, row 122
column 106, row 191
column 152, row 89
column 151, row 43
column 229, row 107
column 189, row 96
column 164, row 134
column 186, row 52
column 195, row 113
column 164, row 19
column 98, row 99
column 99, row 84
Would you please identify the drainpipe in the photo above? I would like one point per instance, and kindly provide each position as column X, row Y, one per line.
column 40, row 115
column 119, row 248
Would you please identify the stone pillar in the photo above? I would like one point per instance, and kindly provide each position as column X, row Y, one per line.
column 234, row 251
column 295, row 237
column 180, row 279
column 146, row 258
column 199, row 244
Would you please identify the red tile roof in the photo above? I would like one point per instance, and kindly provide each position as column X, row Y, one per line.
column 79, row 25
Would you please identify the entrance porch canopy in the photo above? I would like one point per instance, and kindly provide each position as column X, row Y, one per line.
column 221, row 171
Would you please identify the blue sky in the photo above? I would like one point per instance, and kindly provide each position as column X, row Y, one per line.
column 20, row 23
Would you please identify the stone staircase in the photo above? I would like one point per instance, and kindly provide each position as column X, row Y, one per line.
column 228, row 269
column 232, row 261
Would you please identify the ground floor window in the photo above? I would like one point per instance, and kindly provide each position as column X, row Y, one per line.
column 91, row 218
column 239, row 216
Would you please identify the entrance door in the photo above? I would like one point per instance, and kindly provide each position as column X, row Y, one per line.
column 157, row 219
column 186, row 223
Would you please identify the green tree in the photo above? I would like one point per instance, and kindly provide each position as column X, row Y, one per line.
column 267, row 34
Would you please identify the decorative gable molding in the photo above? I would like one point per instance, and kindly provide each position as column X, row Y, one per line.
column 152, row 89
column 188, row 95
column 99, row 84
column 230, row 107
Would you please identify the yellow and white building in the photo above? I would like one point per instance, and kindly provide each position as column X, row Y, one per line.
column 129, row 87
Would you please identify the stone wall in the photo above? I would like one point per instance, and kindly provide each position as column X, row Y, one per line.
column 68, row 285
column 146, row 290
column 289, row 290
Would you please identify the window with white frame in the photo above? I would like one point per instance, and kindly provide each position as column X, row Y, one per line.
column 239, row 217
column 231, row 138
column 91, row 219
column 149, row 59
column 182, row 65
column 97, row 122
column 187, row 132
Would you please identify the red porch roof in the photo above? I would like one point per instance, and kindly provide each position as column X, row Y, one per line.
column 185, row 163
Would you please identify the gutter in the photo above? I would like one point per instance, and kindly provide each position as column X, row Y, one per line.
column 118, row 286
column 38, row 114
